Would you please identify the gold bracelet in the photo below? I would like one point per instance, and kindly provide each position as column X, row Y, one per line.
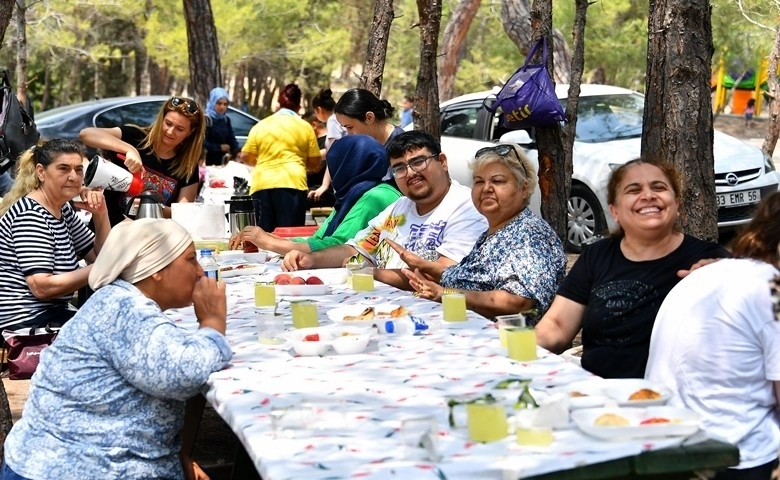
column 448, row 291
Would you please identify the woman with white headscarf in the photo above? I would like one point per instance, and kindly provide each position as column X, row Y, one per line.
column 220, row 139
column 108, row 398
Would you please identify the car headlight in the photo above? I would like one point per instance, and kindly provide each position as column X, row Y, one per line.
column 769, row 164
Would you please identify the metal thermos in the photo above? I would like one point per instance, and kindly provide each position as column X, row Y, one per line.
column 241, row 213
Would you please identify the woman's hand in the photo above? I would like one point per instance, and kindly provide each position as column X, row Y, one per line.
column 423, row 287
column 133, row 160
column 92, row 200
column 317, row 194
column 210, row 304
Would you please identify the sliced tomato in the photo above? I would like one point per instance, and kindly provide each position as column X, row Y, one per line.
column 652, row 420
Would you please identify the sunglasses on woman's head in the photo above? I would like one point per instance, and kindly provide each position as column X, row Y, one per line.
column 189, row 107
column 502, row 150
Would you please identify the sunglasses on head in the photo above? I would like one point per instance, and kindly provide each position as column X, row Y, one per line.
column 189, row 107
column 501, row 150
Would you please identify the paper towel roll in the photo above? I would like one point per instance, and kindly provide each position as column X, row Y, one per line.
column 201, row 221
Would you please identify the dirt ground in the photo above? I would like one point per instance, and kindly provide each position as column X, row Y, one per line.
column 216, row 445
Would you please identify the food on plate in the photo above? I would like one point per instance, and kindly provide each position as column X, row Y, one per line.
column 645, row 394
column 611, row 420
column 235, row 267
column 366, row 314
column 313, row 337
column 314, row 281
column 282, row 279
column 576, row 394
column 398, row 312
column 654, row 420
column 297, row 281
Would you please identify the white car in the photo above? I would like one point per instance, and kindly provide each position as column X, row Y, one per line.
column 609, row 130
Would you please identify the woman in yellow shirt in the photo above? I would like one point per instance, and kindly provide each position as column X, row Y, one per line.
column 282, row 147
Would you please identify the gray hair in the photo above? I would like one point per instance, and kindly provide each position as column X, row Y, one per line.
column 519, row 164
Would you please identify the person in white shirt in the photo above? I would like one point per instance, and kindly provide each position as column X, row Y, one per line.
column 435, row 220
column 716, row 344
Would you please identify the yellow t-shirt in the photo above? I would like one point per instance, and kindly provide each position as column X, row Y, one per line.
column 282, row 143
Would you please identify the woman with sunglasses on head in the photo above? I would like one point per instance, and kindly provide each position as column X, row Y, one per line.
column 41, row 238
column 167, row 152
column 617, row 284
column 282, row 148
column 517, row 264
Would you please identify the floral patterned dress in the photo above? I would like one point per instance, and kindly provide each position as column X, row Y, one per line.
column 107, row 400
column 525, row 257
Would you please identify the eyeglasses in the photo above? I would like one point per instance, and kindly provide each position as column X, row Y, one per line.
column 417, row 164
column 502, row 150
column 189, row 107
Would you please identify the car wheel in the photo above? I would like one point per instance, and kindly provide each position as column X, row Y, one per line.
column 585, row 220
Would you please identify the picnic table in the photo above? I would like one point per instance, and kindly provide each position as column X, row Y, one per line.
column 362, row 401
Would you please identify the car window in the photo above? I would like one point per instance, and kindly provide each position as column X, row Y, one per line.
column 459, row 122
column 141, row 114
column 602, row 118
column 241, row 123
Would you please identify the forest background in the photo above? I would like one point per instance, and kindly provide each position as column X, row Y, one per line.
column 79, row 50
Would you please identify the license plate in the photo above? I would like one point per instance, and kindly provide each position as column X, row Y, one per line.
column 735, row 199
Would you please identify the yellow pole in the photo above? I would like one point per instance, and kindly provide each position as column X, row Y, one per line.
column 762, row 75
column 720, row 92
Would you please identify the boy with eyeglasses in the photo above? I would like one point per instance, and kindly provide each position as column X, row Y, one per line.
column 435, row 220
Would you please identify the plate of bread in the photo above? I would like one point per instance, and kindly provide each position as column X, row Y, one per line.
column 635, row 392
column 366, row 314
column 628, row 423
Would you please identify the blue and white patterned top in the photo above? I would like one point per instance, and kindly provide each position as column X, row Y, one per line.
column 107, row 400
column 525, row 257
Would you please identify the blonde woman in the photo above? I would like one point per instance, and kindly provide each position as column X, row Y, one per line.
column 41, row 238
column 167, row 152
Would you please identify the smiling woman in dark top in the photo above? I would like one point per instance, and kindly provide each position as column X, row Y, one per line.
column 617, row 285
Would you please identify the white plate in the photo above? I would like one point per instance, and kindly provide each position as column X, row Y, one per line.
column 620, row 389
column 240, row 269
column 302, row 290
column 338, row 314
column 229, row 256
column 684, row 422
column 329, row 276
column 592, row 391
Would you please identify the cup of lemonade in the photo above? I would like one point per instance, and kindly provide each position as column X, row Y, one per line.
column 454, row 306
column 486, row 420
column 521, row 343
column 304, row 314
column 503, row 322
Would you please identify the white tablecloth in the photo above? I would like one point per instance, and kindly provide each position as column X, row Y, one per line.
column 363, row 399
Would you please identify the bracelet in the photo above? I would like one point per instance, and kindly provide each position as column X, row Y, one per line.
column 448, row 291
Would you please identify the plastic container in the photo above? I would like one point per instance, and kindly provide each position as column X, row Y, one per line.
column 208, row 263
column 406, row 326
column 292, row 232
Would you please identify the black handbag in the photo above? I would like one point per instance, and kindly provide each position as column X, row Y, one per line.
column 17, row 128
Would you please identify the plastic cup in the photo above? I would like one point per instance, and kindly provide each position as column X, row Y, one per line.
column 454, row 305
column 363, row 280
column 516, row 320
column 521, row 343
column 486, row 421
column 269, row 328
column 534, row 436
column 304, row 314
column 265, row 294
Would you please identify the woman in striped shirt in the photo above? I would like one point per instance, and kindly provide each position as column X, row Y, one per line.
column 41, row 238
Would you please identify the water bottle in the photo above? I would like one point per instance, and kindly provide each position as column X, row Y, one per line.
column 406, row 326
column 208, row 263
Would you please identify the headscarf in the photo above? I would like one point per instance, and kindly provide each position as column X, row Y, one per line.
column 215, row 95
column 136, row 250
column 356, row 164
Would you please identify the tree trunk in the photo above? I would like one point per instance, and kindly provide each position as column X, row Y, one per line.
column 21, row 53
column 770, row 141
column 426, row 98
column 552, row 159
column 374, row 66
column 205, row 70
column 515, row 15
column 451, row 44
column 6, row 421
column 678, row 106
column 573, row 100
